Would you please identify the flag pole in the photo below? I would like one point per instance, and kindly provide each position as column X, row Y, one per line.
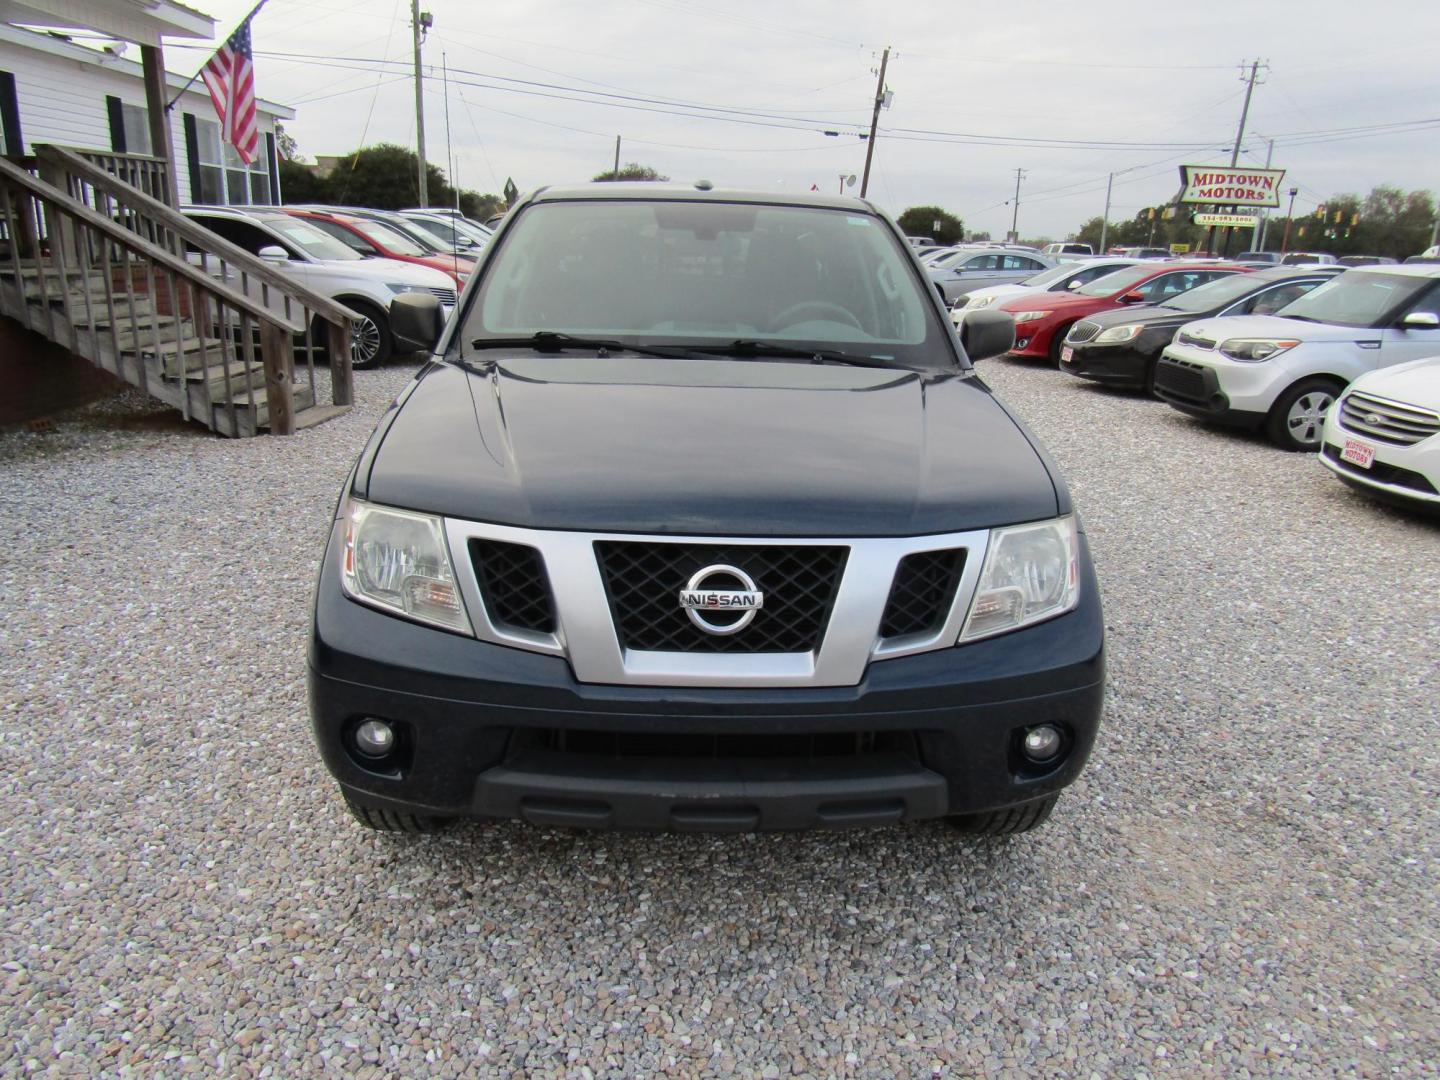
column 191, row 81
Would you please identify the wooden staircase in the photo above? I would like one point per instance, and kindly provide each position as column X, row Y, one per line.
column 129, row 284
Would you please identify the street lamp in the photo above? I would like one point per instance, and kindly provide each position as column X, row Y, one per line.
column 1289, row 217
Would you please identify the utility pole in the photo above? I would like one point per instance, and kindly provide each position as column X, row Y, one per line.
column 1435, row 232
column 1289, row 217
column 418, row 25
column 617, row 157
column 1239, row 136
column 1015, row 217
column 1105, row 218
column 1265, row 221
column 875, row 120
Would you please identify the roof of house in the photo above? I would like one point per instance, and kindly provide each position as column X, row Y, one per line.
column 58, row 44
column 147, row 23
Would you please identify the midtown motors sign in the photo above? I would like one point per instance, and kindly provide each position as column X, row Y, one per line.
column 1221, row 184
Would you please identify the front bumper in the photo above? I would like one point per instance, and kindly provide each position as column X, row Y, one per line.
column 1032, row 340
column 1115, row 365
column 1194, row 387
column 491, row 731
column 1405, row 475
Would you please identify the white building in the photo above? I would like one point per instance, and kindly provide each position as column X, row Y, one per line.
column 57, row 90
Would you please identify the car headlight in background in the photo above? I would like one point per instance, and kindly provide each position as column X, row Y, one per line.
column 1118, row 335
column 1030, row 316
column 401, row 287
column 981, row 301
column 1254, row 350
column 1032, row 573
column 397, row 561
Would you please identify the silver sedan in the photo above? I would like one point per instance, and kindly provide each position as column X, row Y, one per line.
column 963, row 271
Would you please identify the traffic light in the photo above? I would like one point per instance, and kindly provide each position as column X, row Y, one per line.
column 1320, row 212
column 1339, row 216
column 1354, row 220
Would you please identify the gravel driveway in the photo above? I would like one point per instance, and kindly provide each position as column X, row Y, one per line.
column 1244, row 881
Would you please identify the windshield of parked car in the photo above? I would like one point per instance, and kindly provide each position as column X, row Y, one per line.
column 1357, row 298
column 1118, row 282
column 1214, row 294
column 312, row 241
column 391, row 240
column 1049, row 277
column 709, row 274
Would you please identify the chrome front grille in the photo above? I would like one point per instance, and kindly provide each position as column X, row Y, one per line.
column 610, row 603
column 1387, row 421
column 1082, row 332
column 643, row 580
column 1195, row 341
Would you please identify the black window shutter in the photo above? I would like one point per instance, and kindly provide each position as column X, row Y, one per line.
column 10, row 114
column 117, row 124
column 192, row 158
column 274, row 164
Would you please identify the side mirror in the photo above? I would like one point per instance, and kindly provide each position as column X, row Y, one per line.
column 1134, row 296
column 986, row 333
column 1073, row 283
column 273, row 253
column 1422, row 320
column 416, row 321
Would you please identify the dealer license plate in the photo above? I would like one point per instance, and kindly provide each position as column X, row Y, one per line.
column 1067, row 355
column 1358, row 453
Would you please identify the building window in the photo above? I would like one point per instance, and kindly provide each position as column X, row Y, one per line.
column 136, row 121
column 225, row 179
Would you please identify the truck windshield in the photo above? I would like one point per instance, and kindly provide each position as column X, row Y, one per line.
column 703, row 274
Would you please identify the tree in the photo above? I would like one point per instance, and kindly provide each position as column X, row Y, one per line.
column 382, row 177
column 286, row 146
column 920, row 221
column 300, row 184
column 631, row 171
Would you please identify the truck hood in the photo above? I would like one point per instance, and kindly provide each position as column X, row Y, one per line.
column 1415, row 383
column 708, row 447
column 1272, row 326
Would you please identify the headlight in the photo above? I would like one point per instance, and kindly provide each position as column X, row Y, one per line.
column 1118, row 334
column 1253, row 350
column 1031, row 316
column 401, row 287
column 980, row 301
column 1032, row 572
column 397, row 561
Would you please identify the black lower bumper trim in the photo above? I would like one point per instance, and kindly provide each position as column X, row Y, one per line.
column 546, row 788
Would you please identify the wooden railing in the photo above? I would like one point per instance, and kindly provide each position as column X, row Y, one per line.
column 116, row 275
column 320, row 321
column 150, row 175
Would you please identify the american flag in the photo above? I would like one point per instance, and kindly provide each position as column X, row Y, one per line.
column 230, row 78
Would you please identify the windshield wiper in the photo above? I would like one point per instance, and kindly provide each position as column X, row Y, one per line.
column 748, row 347
column 552, row 341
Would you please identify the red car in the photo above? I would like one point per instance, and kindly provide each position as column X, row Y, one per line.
column 1043, row 319
column 374, row 239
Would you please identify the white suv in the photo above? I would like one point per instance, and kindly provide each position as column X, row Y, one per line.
column 1282, row 372
column 366, row 286
column 1384, row 436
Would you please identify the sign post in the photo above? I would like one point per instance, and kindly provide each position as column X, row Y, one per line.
column 1232, row 186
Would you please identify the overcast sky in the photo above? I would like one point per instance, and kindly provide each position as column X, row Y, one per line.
column 1156, row 76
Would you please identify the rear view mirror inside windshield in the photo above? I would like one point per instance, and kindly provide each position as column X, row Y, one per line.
column 705, row 220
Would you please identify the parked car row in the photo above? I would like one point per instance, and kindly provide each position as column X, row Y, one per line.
column 1324, row 358
column 360, row 257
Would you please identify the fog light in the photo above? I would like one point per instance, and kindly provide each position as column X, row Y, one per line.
column 1042, row 743
column 375, row 738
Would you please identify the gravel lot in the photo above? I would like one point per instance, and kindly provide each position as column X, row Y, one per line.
column 1244, row 882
